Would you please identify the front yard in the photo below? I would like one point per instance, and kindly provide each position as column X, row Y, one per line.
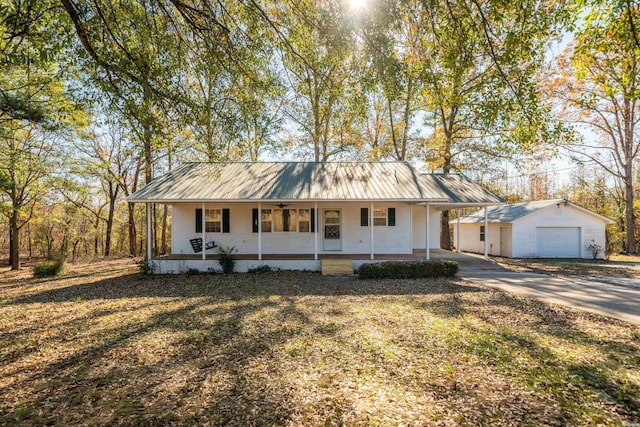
column 618, row 266
column 104, row 345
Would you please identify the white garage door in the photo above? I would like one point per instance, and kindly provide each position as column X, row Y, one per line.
column 558, row 242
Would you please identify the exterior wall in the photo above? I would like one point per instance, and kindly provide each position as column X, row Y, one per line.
column 420, row 233
column 171, row 266
column 470, row 238
column 165, row 266
column 524, row 229
column 355, row 238
column 521, row 233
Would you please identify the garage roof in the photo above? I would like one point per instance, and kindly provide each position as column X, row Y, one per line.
column 245, row 181
column 510, row 213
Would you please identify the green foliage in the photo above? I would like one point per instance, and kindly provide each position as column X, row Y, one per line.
column 408, row 269
column 146, row 266
column 260, row 269
column 226, row 259
column 192, row 272
column 49, row 268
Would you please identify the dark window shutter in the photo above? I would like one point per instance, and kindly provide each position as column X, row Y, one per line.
column 225, row 220
column 198, row 220
column 364, row 217
column 391, row 220
column 255, row 221
column 313, row 221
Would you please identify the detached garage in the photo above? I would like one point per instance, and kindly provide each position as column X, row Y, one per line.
column 542, row 229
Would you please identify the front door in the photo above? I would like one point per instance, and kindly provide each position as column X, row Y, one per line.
column 332, row 230
column 503, row 241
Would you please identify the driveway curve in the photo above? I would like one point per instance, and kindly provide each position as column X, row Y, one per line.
column 620, row 302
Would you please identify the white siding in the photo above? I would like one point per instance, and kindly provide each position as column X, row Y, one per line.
column 419, row 232
column 470, row 238
column 355, row 238
column 524, row 229
column 522, row 232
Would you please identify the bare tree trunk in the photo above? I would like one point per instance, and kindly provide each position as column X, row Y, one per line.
column 163, row 237
column 154, row 229
column 96, row 242
column 445, row 232
column 14, row 243
column 29, row 241
column 133, row 237
column 10, row 245
column 629, row 214
column 113, row 195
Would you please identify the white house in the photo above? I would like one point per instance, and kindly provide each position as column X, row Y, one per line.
column 542, row 229
column 294, row 214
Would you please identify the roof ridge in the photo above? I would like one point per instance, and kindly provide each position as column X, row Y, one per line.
column 297, row 161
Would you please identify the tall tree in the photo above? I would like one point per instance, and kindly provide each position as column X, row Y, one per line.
column 322, row 68
column 35, row 107
column 391, row 36
column 599, row 87
column 480, row 64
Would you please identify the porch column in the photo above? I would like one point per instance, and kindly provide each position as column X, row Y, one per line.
column 149, row 249
column 426, row 226
column 371, row 255
column 315, row 227
column 458, row 231
column 486, row 233
column 411, row 229
column 204, row 231
column 259, row 231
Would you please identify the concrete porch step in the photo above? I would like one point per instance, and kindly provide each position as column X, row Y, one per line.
column 337, row 267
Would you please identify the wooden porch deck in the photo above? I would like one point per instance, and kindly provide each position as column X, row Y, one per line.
column 417, row 254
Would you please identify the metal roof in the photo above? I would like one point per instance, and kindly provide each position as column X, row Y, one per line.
column 510, row 213
column 315, row 181
column 459, row 189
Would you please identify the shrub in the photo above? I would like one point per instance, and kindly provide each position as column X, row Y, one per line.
column 408, row 269
column 595, row 249
column 146, row 266
column 261, row 269
column 49, row 268
column 226, row 259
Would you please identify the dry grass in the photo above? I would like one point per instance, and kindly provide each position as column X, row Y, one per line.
column 103, row 345
column 625, row 258
column 618, row 266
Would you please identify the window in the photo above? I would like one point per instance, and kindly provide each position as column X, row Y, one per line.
column 285, row 220
column 482, row 233
column 213, row 220
column 304, row 220
column 266, row 220
column 380, row 216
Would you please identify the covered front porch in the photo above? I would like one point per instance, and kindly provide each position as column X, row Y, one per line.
column 293, row 230
column 294, row 215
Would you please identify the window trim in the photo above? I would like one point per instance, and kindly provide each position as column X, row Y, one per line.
column 272, row 220
column 385, row 217
column 212, row 222
column 483, row 233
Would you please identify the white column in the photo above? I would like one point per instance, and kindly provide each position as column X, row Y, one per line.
column 371, row 255
column 426, row 223
column 259, row 231
column 486, row 233
column 149, row 231
column 411, row 229
column 316, row 214
column 458, row 231
column 204, row 231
